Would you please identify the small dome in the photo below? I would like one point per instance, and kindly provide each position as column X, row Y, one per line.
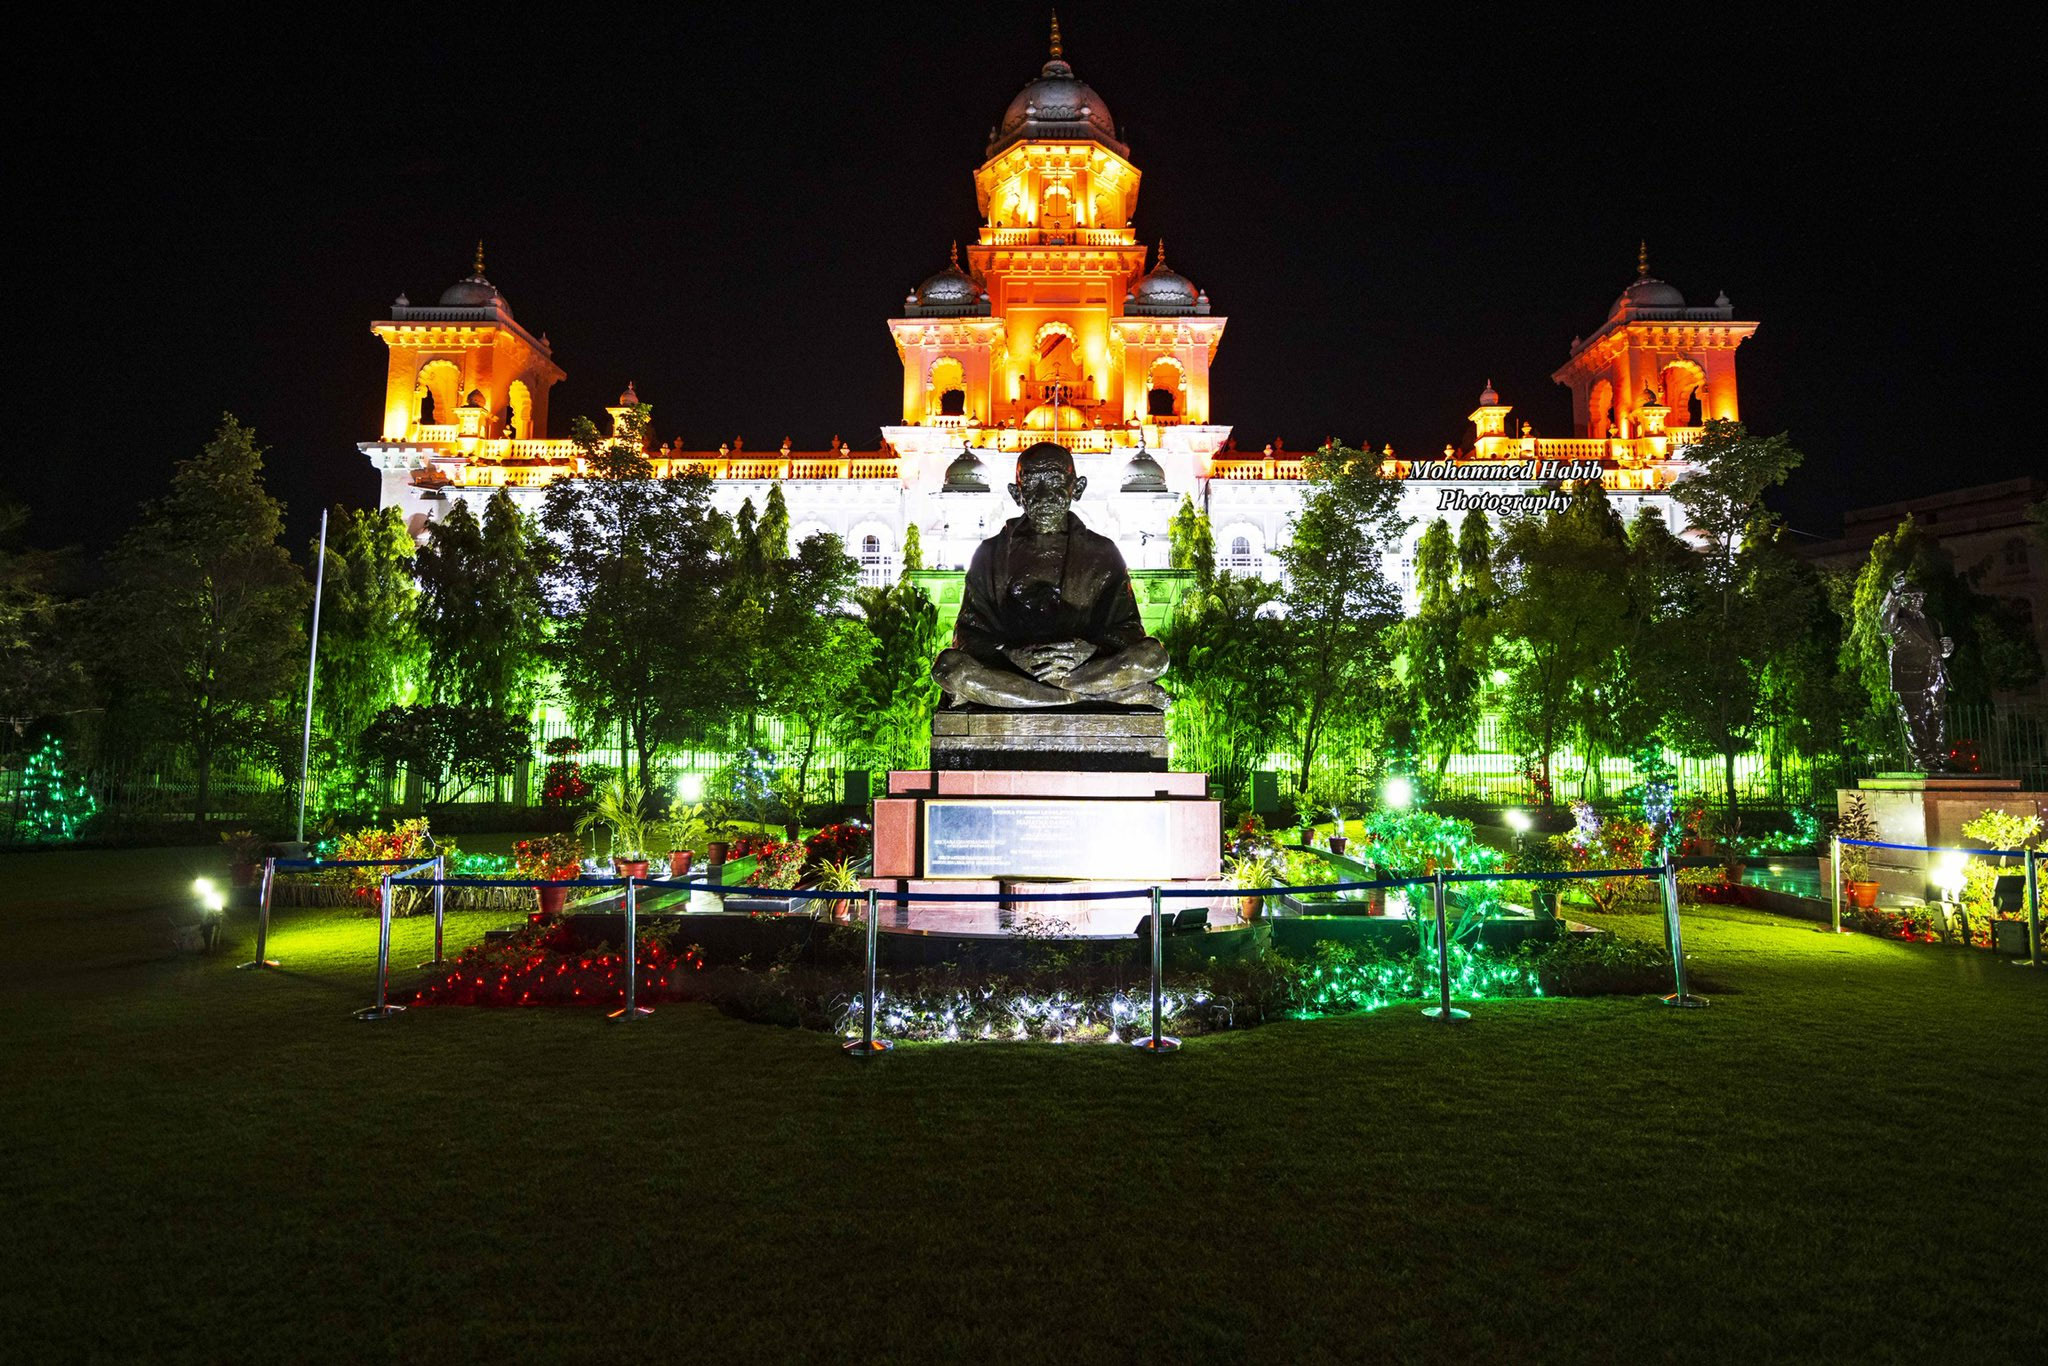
column 1487, row 397
column 965, row 474
column 474, row 291
column 1164, row 290
column 1047, row 417
column 629, row 399
column 949, row 293
column 1143, row 475
column 1650, row 292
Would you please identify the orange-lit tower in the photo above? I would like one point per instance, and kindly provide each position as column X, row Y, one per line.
column 1654, row 351
column 1053, row 322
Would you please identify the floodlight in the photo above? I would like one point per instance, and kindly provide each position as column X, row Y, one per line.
column 1398, row 793
column 209, row 895
column 1518, row 821
column 690, row 787
column 1500, row 678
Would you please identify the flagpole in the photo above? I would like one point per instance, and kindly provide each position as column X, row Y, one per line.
column 312, row 659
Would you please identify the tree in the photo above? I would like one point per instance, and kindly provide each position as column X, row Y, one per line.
column 371, row 653
column 1190, row 542
column 38, row 670
column 889, row 710
column 203, row 618
column 480, row 611
column 629, row 574
column 1339, row 604
column 807, row 652
column 1739, row 607
column 1227, row 651
column 1441, row 667
column 449, row 749
column 913, row 549
column 1562, row 580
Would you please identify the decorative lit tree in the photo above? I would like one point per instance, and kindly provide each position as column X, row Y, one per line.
column 889, row 709
column 54, row 805
column 1227, row 652
column 1440, row 666
column 371, row 653
column 202, row 625
column 479, row 608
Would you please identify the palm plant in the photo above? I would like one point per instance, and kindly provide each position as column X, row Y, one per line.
column 621, row 807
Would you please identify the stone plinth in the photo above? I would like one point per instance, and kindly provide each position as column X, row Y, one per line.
column 978, row 825
column 1058, row 738
column 1930, row 809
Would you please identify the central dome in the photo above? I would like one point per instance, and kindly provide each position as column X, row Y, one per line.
column 1058, row 105
column 1055, row 417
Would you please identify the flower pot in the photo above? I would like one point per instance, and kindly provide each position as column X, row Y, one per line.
column 679, row 862
column 1249, row 906
column 245, row 874
column 630, row 867
column 715, row 851
column 1338, row 844
column 552, row 899
column 1862, row 895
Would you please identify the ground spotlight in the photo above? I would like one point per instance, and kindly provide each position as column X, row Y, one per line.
column 209, row 895
column 1398, row 794
column 1518, row 821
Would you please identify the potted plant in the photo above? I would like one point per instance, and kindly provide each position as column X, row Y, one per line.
column 1856, row 824
column 551, row 858
column 621, row 807
column 1536, row 852
column 842, row 875
column 1997, row 891
column 1245, row 871
column 1339, row 838
column 245, row 856
column 681, row 832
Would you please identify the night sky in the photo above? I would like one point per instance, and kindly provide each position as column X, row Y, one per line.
column 724, row 207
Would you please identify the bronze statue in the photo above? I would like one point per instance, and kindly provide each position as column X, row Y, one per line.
column 1919, row 675
column 1049, row 618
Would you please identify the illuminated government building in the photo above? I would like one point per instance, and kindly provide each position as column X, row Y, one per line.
column 1058, row 324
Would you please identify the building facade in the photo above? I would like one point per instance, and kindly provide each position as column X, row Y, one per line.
column 1059, row 324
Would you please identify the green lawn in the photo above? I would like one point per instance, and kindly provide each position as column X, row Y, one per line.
column 1842, row 1158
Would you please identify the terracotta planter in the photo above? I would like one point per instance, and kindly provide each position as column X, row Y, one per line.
column 552, row 899
column 1862, row 895
column 1338, row 844
column 245, row 874
column 630, row 867
column 1250, row 906
column 679, row 862
column 715, row 851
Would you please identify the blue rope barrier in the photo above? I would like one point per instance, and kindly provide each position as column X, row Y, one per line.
column 1930, row 848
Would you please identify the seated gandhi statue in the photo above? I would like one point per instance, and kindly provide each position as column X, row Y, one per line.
column 1049, row 618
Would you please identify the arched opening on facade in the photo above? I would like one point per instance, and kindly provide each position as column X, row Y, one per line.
column 519, row 403
column 1056, row 209
column 1244, row 551
column 1165, row 389
column 1056, row 369
column 948, row 383
column 1685, row 385
column 438, row 387
column 1600, row 410
column 877, row 560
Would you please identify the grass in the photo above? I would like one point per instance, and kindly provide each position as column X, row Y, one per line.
column 1842, row 1158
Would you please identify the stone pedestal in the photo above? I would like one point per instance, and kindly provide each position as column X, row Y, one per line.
column 1929, row 809
column 1117, row 739
column 1025, row 831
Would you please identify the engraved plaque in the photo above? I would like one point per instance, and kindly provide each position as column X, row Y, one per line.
column 984, row 837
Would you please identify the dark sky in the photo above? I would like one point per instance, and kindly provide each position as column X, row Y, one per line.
column 724, row 206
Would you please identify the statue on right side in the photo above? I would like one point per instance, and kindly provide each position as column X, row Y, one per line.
column 1918, row 655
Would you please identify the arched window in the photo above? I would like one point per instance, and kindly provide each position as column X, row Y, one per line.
column 871, row 545
column 953, row 403
column 1240, row 547
column 877, row 565
column 1244, row 559
column 1159, row 403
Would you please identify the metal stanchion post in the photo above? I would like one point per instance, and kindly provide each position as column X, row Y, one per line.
column 263, row 917
column 383, row 1008
column 1443, row 1009
column 440, row 908
column 867, row 1045
column 1159, row 1042
column 2033, row 910
column 633, row 1010
column 1672, row 937
column 1835, row 875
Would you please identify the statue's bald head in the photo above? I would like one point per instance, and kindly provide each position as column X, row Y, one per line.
column 1046, row 454
column 1047, row 485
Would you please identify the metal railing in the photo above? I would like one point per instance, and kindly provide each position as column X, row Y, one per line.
column 869, row 1044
